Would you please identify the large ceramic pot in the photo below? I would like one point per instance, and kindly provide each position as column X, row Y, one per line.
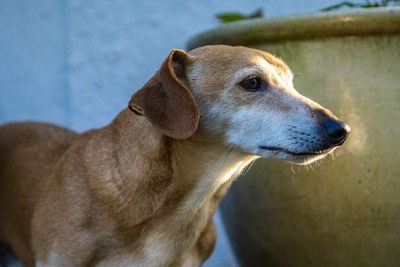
column 344, row 210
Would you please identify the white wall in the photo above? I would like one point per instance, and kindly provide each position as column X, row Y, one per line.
column 33, row 61
column 76, row 63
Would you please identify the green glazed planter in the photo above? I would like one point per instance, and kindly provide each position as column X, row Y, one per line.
column 342, row 211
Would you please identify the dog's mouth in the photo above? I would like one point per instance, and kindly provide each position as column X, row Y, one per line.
column 293, row 153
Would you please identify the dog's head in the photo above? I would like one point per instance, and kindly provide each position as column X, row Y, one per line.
column 241, row 97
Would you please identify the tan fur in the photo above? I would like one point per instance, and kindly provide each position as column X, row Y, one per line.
column 142, row 190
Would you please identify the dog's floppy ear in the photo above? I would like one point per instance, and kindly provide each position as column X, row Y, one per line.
column 166, row 101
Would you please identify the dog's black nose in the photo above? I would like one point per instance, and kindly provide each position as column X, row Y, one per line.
column 337, row 130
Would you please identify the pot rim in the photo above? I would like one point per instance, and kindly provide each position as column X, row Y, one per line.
column 339, row 23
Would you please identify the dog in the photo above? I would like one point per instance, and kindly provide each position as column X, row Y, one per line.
column 142, row 190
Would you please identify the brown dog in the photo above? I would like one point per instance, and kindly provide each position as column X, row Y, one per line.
column 142, row 190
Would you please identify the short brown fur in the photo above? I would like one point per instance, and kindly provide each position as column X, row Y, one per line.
column 143, row 189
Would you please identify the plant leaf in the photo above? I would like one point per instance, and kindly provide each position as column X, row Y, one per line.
column 235, row 16
column 229, row 17
column 367, row 4
column 342, row 4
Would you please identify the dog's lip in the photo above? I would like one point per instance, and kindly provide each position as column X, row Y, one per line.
column 279, row 149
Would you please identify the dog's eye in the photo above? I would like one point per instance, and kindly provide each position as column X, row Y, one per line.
column 252, row 84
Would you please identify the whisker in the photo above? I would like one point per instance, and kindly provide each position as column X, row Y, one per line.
column 291, row 167
column 227, row 155
column 222, row 152
column 299, row 74
column 306, row 166
column 247, row 168
column 311, row 167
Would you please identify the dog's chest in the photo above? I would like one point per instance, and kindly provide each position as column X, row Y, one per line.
column 177, row 242
column 165, row 246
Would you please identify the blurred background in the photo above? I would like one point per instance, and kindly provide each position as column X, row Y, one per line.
column 77, row 63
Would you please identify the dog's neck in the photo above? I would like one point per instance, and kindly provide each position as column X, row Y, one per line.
column 202, row 165
column 193, row 169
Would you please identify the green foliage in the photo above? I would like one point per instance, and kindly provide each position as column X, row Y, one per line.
column 234, row 16
column 366, row 4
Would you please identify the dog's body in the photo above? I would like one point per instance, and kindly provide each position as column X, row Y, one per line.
column 142, row 190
